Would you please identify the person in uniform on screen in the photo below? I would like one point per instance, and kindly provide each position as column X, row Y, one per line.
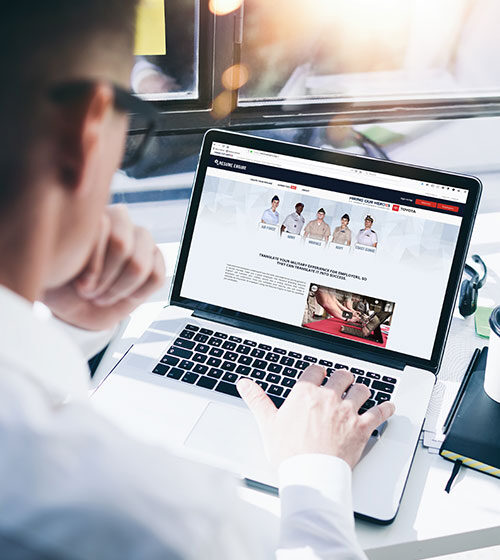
column 342, row 234
column 318, row 229
column 271, row 215
column 294, row 222
column 367, row 236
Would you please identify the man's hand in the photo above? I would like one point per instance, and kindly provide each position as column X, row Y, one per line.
column 316, row 419
column 124, row 269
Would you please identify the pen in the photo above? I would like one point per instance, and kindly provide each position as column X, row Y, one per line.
column 461, row 389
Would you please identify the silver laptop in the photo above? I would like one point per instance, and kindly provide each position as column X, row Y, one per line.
column 290, row 256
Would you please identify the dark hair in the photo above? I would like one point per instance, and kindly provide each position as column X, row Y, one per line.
column 322, row 210
column 275, row 198
column 346, row 217
column 43, row 43
column 299, row 204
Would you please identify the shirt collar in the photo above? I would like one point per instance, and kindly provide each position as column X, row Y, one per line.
column 34, row 346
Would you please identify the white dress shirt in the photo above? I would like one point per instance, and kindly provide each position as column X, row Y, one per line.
column 294, row 223
column 74, row 486
column 270, row 217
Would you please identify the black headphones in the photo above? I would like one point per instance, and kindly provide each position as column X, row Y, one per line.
column 467, row 303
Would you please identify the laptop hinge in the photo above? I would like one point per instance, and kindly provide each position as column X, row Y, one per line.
column 303, row 339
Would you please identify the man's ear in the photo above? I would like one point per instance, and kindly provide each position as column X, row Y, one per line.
column 79, row 128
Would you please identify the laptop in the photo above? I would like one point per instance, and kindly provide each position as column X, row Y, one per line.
column 290, row 256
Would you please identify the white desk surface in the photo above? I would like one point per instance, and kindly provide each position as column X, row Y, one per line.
column 430, row 522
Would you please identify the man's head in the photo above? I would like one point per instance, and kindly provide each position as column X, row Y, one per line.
column 66, row 151
column 321, row 214
column 299, row 207
column 368, row 222
column 274, row 203
column 344, row 221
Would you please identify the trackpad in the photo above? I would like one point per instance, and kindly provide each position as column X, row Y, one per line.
column 228, row 437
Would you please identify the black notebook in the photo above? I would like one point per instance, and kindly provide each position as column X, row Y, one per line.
column 474, row 434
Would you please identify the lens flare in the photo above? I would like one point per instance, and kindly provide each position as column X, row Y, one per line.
column 235, row 76
column 223, row 7
column 224, row 103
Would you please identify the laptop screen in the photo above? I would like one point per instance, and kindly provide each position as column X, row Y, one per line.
column 343, row 251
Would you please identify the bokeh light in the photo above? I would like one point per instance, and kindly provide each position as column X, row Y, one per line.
column 223, row 104
column 235, row 76
column 223, row 7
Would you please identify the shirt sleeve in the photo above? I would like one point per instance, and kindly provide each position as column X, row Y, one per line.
column 317, row 520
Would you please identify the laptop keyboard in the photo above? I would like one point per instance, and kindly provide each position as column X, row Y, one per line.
column 216, row 360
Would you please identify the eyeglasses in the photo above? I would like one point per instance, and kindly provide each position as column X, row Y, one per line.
column 138, row 139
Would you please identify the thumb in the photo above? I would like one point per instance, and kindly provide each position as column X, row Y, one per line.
column 257, row 401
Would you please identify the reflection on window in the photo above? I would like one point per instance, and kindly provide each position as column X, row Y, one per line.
column 173, row 75
column 365, row 49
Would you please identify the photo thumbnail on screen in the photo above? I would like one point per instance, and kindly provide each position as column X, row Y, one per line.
column 348, row 315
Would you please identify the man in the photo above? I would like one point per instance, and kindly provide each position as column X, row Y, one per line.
column 342, row 234
column 367, row 236
column 271, row 215
column 73, row 485
column 318, row 229
column 294, row 222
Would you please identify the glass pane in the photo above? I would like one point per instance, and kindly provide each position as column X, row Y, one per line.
column 173, row 75
column 364, row 50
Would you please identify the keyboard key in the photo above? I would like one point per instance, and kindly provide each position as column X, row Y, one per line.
column 272, row 378
column 290, row 372
column 295, row 355
column 161, row 369
column 220, row 335
column 278, row 401
column 341, row 366
column 231, row 377
column 263, row 384
column 279, row 351
column 257, row 353
column 270, row 357
column 214, row 362
column 258, row 374
column 187, row 334
column 200, row 368
column 175, row 373
column 250, row 343
column 363, row 380
column 215, row 372
column 201, row 337
column 288, row 382
column 200, row 358
column 245, row 360
column 373, row 375
column 382, row 397
column 287, row 361
column 325, row 363
column 259, row 364
column 203, row 348
column 330, row 371
column 384, row 387
column 275, row 390
column 217, row 352
column 184, row 343
column 286, row 393
column 186, row 364
column 229, row 345
column 170, row 360
column 179, row 352
column 389, row 379
column 310, row 359
column 236, row 339
column 192, row 327
column 206, row 331
column 357, row 371
column 324, row 382
column 215, row 341
column 265, row 347
column 274, row 368
column 190, row 377
column 228, row 366
column 231, row 356
column 243, row 370
column 242, row 349
column 300, row 364
column 367, row 405
column 206, row 382
column 227, row 388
